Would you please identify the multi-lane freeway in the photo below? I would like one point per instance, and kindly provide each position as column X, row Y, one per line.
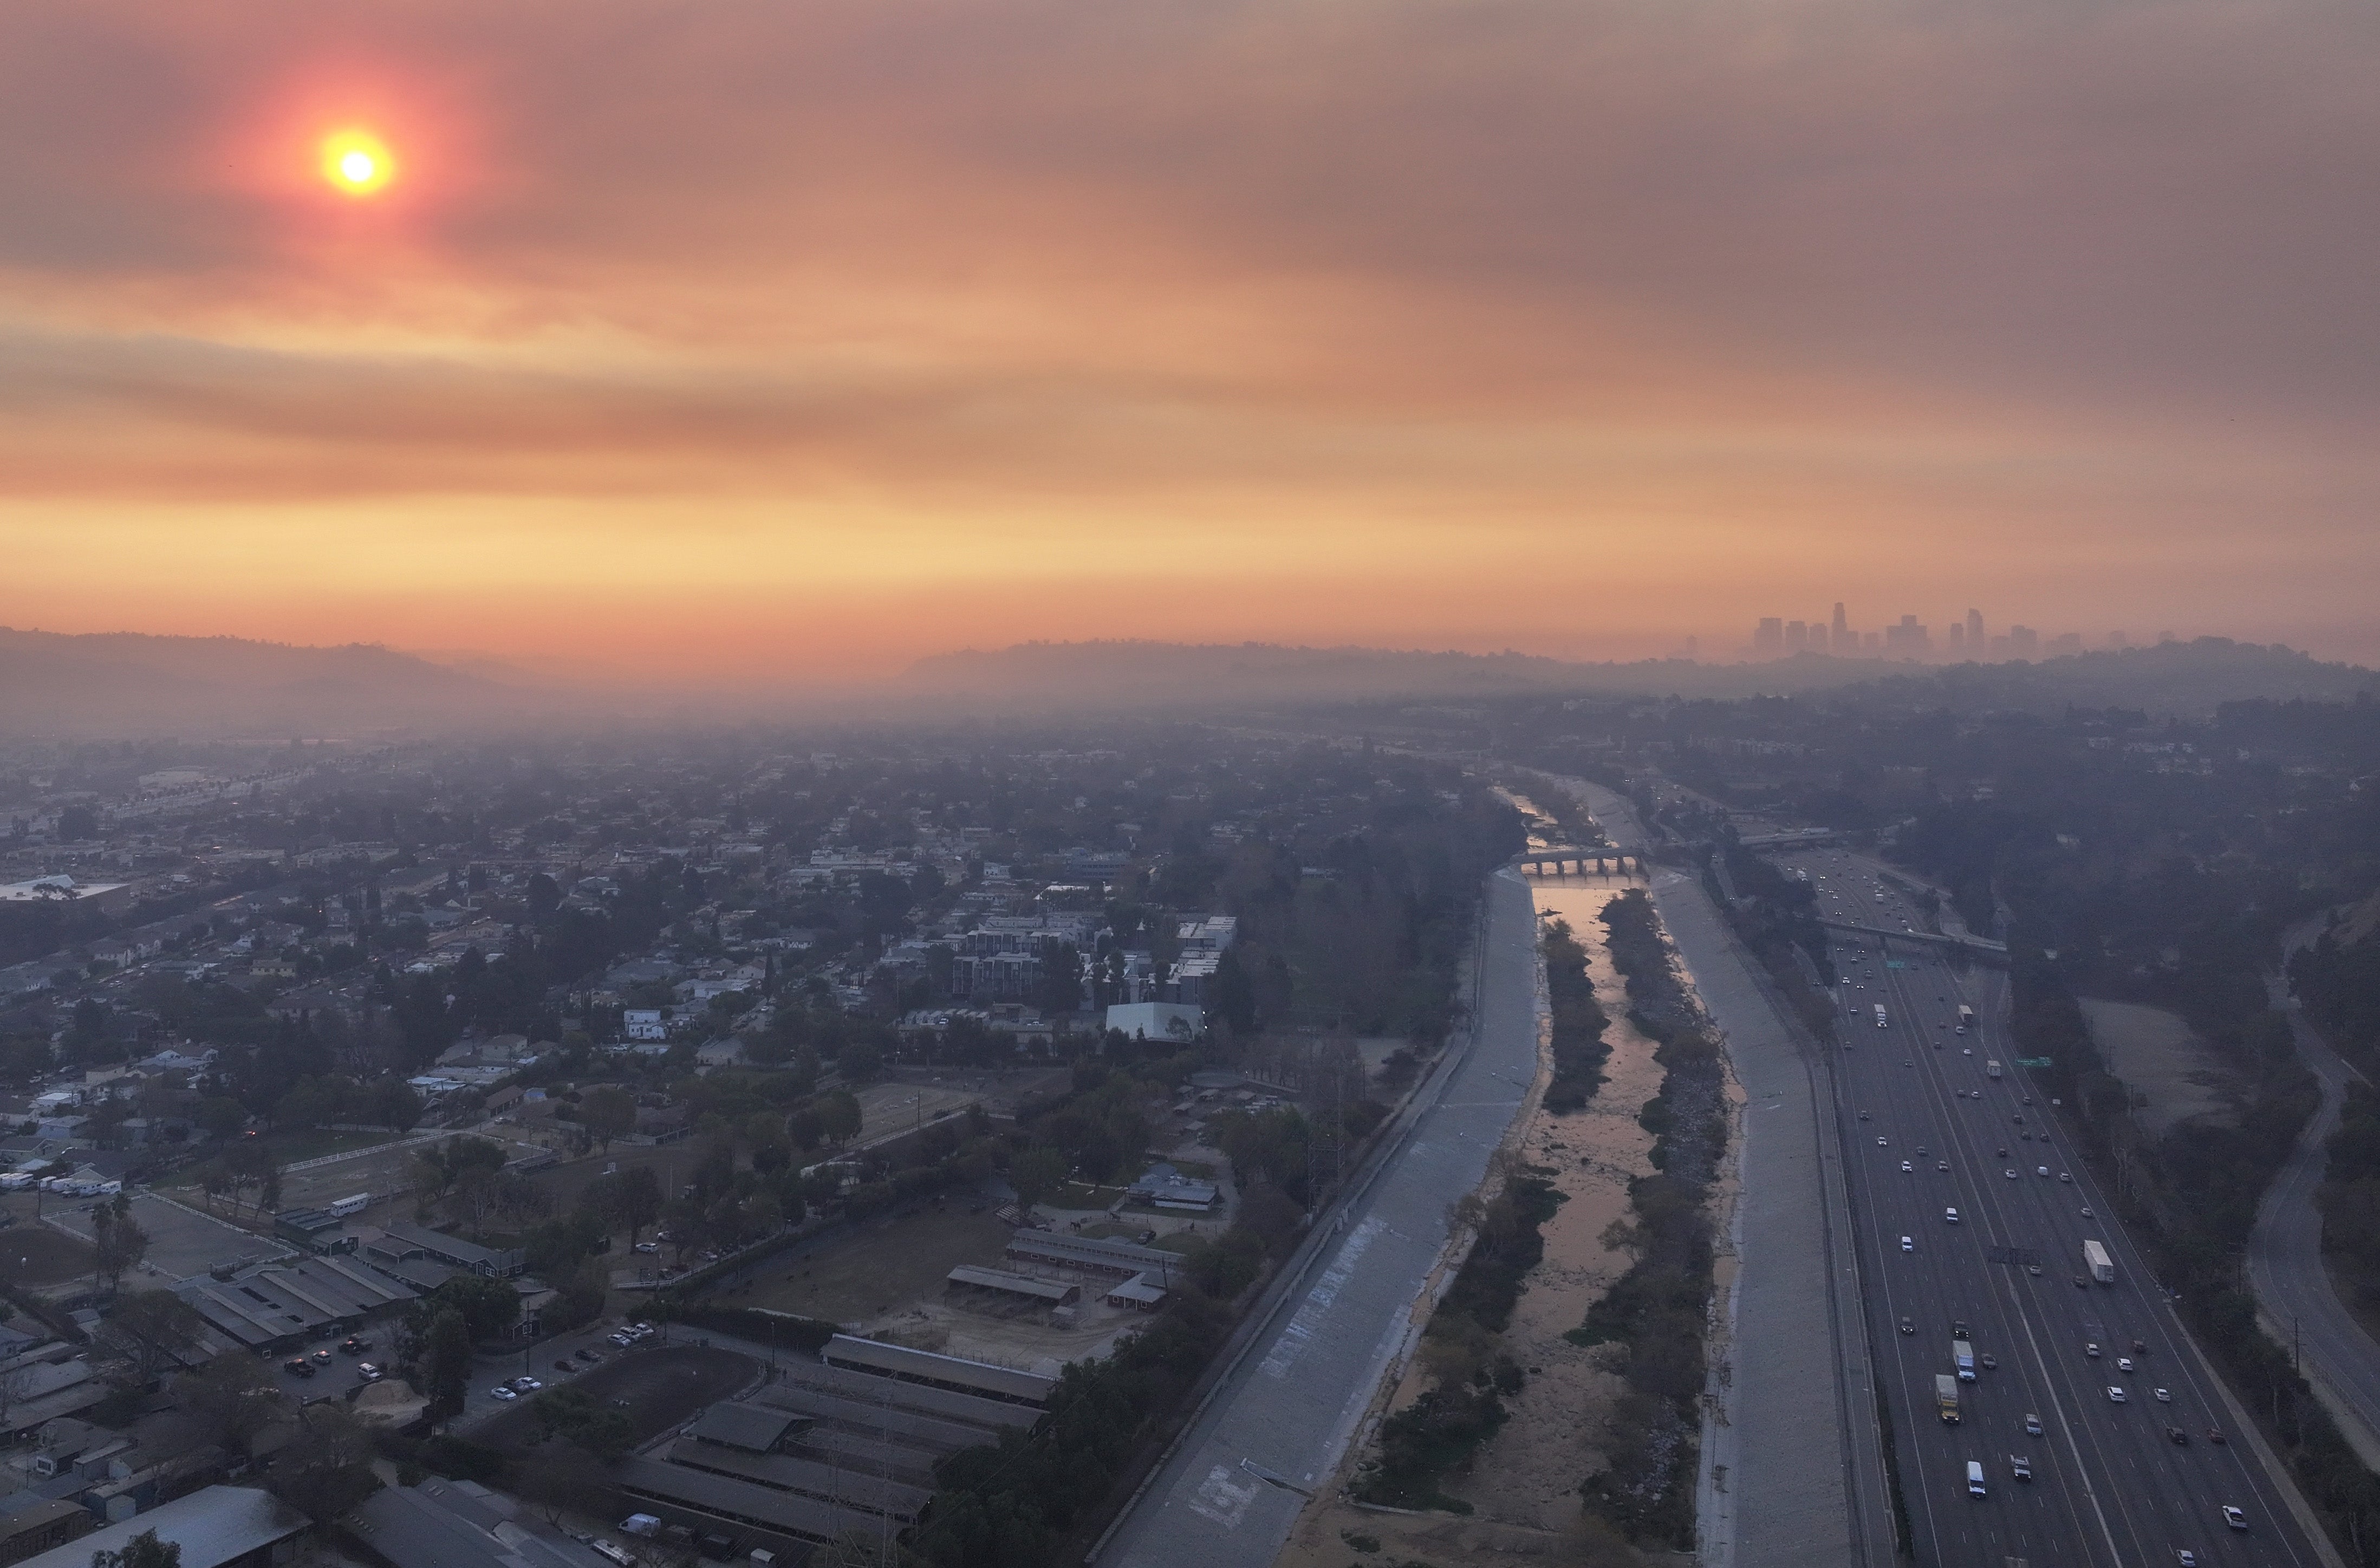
column 1926, row 1131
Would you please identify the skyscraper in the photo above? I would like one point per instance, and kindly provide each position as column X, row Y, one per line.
column 1769, row 637
column 1975, row 630
column 1957, row 637
column 1842, row 629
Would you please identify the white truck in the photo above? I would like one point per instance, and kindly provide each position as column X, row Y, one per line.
column 1879, row 1016
column 1966, row 1017
column 1963, row 1356
column 1991, row 1068
column 1946, row 1398
column 2102, row 1266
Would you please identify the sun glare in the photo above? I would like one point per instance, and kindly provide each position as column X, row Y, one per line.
column 356, row 162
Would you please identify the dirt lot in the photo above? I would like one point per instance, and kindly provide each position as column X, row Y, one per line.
column 663, row 1388
column 182, row 1241
column 2163, row 1063
column 876, row 1272
column 35, row 1255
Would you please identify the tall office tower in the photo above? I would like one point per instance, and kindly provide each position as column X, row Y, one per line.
column 1819, row 639
column 1770, row 636
column 1871, row 641
column 1842, row 629
column 2023, row 641
column 1957, row 637
column 1908, row 639
column 1974, row 628
column 1797, row 635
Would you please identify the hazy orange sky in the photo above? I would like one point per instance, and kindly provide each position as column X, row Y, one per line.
column 790, row 339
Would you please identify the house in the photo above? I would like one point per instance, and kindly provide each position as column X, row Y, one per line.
column 1157, row 1020
column 31, row 1524
column 1165, row 1187
column 643, row 1024
column 216, row 1527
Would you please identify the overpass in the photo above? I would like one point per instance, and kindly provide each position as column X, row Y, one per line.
column 1980, row 947
column 1795, row 838
column 1556, row 859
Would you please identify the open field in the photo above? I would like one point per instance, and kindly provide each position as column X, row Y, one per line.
column 182, row 1241
column 2163, row 1063
column 876, row 1270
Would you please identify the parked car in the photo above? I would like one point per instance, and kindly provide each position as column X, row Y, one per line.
column 299, row 1365
column 501, row 1392
column 371, row 1372
column 356, row 1345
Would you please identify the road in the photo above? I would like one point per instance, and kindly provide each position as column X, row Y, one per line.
column 2109, row 1487
column 2285, row 1266
column 1282, row 1417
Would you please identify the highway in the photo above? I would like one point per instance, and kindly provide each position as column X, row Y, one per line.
column 2108, row 1486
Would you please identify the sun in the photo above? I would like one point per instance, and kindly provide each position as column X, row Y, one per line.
column 357, row 163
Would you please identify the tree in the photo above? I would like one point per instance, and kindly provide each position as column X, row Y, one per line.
column 446, row 1357
column 489, row 1309
column 607, row 1113
column 144, row 1551
column 1036, row 1173
column 544, row 895
column 330, row 1471
column 78, row 822
column 838, row 1115
column 221, row 1116
column 121, row 1242
column 628, row 1200
column 153, row 1330
column 232, row 1398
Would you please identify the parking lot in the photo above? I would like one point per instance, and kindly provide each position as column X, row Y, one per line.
column 660, row 1385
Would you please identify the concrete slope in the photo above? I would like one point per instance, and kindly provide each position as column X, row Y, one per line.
column 2285, row 1266
column 1282, row 1417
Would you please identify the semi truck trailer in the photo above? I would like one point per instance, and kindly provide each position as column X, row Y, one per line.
column 1879, row 1016
column 1945, row 1397
column 2102, row 1266
column 1963, row 1356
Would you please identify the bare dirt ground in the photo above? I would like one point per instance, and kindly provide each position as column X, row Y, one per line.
column 33, row 1253
column 1524, row 1485
column 2162, row 1062
column 876, row 1273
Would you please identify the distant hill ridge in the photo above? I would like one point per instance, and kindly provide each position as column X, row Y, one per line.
column 2192, row 676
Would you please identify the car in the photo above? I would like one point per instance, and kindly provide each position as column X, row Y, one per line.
column 1991, row 1363
column 1907, row 1063
column 1941, row 1164
column 2090, row 1349
column 2081, row 1283
column 2032, row 1425
column 2115, row 1394
column 2010, row 1174
column 2025, row 1100
column 2064, row 1177
column 2003, row 1151
column 560, row 1365
column 322, row 1356
column 2215, row 1435
column 1950, row 1216
column 2086, row 1213
column 355, row 1346
column 526, row 1385
column 2187, row 1559
column 1880, row 1142
column 299, row 1365
column 1967, row 1051
column 2177, row 1437
column 2021, row 1466
column 1957, row 1328
column 1921, row 1152
column 2140, row 1347
column 1864, row 1116
column 2033, row 1268
column 623, row 1340
column 1907, row 1246
column 2234, row 1517
column 648, row 1247
column 501, row 1392
column 2123, row 1364
column 1907, row 1327
column 2163, row 1396
column 587, row 1352
column 370, row 1371
column 1907, row 1166
column 2041, row 1169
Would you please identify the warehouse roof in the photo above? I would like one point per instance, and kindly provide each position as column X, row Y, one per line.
column 212, row 1526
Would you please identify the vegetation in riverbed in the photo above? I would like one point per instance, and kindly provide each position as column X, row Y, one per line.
column 1654, row 1315
column 1462, row 1348
column 1579, row 1050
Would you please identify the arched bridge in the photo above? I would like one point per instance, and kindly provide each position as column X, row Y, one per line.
column 1556, row 859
